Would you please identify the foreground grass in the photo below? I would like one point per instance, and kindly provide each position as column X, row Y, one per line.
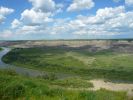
column 16, row 87
column 103, row 64
column 75, row 82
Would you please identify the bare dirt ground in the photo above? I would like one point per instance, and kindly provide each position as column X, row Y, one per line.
column 101, row 84
column 98, row 84
column 90, row 45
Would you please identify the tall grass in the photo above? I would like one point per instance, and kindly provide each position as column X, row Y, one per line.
column 16, row 87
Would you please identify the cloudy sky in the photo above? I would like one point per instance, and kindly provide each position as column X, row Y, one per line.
column 65, row 19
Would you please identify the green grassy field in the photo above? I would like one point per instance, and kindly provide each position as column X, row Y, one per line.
column 104, row 64
column 16, row 87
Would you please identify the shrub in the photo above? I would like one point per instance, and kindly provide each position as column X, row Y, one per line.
column 51, row 76
column 14, row 91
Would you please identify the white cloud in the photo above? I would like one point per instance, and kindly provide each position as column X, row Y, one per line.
column 78, row 5
column 129, row 2
column 4, row 12
column 40, row 14
column 108, row 21
column 105, row 14
column 45, row 5
column 2, row 18
column 35, row 17
column 15, row 23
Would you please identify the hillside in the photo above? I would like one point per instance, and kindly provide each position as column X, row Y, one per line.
column 16, row 87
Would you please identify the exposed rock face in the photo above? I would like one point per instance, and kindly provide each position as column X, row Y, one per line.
column 90, row 45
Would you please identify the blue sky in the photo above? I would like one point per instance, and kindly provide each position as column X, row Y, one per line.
column 65, row 19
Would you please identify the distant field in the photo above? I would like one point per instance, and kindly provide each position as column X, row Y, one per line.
column 16, row 87
column 105, row 64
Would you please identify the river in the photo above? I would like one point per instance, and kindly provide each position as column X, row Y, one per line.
column 18, row 69
column 25, row 71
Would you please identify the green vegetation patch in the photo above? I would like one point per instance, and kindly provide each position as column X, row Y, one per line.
column 104, row 64
column 0, row 49
column 73, row 83
column 16, row 87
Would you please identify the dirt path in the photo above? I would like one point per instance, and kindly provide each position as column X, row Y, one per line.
column 98, row 84
column 101, row 84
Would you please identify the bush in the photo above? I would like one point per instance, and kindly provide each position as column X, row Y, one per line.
column 14, row 91
column 10, row 72
column 51, row 76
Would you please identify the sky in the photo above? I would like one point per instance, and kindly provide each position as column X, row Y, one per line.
column 65, row 19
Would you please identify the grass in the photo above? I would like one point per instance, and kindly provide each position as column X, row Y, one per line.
column 104, row 64
column 75, row 82
column 0, row 49
column 16, row 87
column 120, row 61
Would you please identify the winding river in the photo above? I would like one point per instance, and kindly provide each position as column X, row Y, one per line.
column 98, row 84
column 2, row 53
column 25, row 71
column 18, row 69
